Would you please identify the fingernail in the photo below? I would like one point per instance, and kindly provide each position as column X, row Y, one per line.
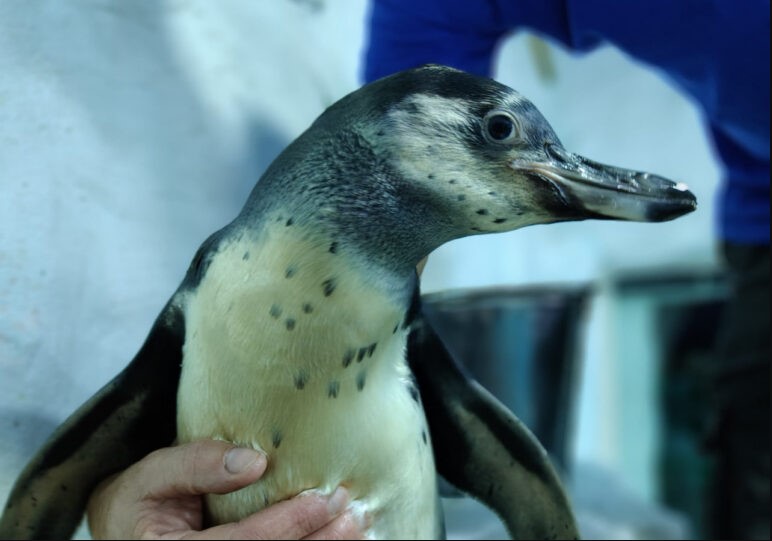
column 239, row 459
column 337, row 501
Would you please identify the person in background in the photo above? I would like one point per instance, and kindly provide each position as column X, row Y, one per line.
column 717, row 54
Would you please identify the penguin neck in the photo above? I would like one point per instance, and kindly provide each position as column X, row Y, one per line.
column 386, row 222
column 324, row 251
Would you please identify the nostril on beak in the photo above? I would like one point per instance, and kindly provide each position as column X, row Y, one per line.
column 555, row 152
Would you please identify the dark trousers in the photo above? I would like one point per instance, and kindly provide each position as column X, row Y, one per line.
column 742, row 387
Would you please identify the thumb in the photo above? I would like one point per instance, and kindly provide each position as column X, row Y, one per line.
column 199, row 467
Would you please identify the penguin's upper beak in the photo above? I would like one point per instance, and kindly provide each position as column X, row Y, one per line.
column 604, row 191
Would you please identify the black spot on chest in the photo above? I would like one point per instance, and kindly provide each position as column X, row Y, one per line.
column 348, row 357
column 328, row 286
column 301, row 378
column 276, row 438
column 367, row 350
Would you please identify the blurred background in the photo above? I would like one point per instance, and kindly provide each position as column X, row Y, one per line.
column 129, row 131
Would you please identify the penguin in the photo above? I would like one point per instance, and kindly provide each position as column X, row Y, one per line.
column 297, row 329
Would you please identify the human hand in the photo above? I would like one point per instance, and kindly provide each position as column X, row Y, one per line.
column 160, row 497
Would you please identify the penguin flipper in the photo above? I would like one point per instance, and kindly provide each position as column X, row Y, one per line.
column 129, row 417
column 483, row 449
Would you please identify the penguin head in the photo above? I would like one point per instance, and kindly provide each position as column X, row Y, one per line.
column 489, row 157
column 424, row 156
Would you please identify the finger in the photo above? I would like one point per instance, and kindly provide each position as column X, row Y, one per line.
column 290, row 519
column 349, row 525
column 199, row 467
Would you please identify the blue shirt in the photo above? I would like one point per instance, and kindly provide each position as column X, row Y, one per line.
column 717, row 52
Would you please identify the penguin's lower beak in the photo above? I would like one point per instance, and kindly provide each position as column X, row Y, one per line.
column 602, row 191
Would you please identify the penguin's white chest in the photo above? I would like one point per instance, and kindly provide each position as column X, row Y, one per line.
column 287, row 351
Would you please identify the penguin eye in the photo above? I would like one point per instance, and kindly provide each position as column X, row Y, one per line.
column 501, row 127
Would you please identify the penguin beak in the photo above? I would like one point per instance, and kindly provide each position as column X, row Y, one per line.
column 604, row 191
